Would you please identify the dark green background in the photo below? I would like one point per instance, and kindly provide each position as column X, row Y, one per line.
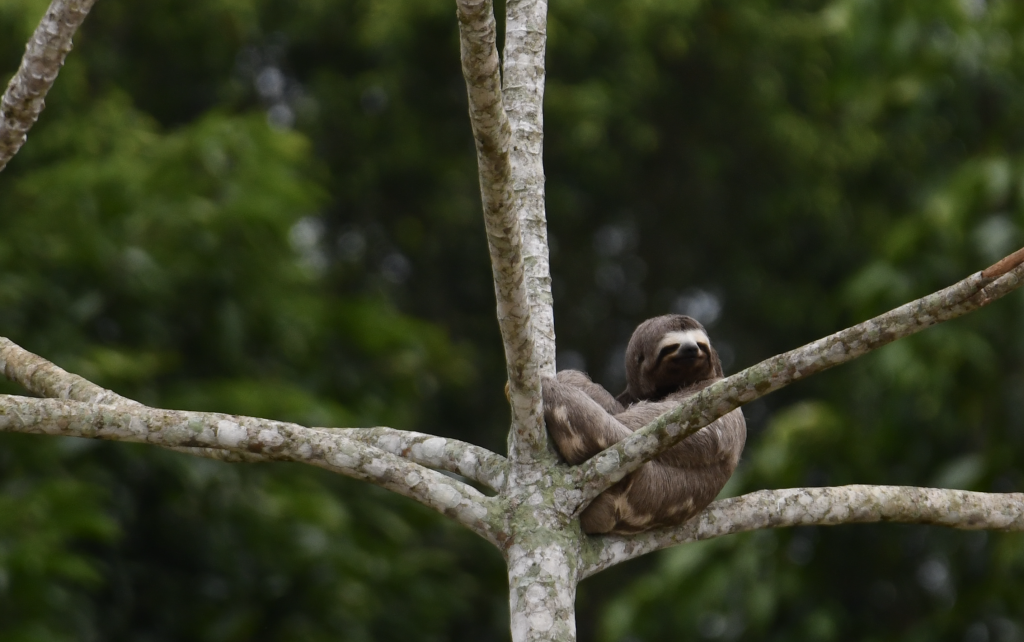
column 271, row 208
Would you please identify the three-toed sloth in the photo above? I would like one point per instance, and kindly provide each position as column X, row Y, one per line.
column 668, row 359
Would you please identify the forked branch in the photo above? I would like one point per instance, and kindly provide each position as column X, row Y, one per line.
column 40, row 377
column 820, row 507
column 493, row 135
column 611, row 465
column 274, row 440
column 44, row 54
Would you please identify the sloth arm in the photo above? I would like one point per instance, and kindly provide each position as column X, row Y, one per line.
column 579, row 425
column 581, row 381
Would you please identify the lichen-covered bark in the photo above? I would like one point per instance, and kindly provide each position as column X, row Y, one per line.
column 40, row 377
column 603, row 470
column 274, row 440
column 492, row 132
column 441, row 453
column 45, row 379
column 819, row 507
column 44, row 54
column 542, row 553
column 525, row 44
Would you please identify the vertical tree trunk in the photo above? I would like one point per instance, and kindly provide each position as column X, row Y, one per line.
column 543, row 565
column 543, row 553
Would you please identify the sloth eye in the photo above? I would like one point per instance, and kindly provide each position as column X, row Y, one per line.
column 640, row 358
column 667, row 350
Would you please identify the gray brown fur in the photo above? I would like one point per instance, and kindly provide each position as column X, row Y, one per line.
column 584, row 419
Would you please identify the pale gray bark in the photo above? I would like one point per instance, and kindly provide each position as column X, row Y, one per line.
column 441, row 453
column 40, row 377
column 275, row 440
column 819, row 507
column 491, row 129
column 524, row 75
column 600, row 472
column 44, row 54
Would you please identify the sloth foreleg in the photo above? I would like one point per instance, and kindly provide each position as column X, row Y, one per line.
column 579, row 425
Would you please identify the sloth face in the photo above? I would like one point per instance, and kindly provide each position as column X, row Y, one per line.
column 679, row 359
column 666, row 354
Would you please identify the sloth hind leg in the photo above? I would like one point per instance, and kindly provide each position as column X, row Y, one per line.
column 655, row 496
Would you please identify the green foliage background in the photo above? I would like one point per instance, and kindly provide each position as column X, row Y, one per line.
column 271, row 208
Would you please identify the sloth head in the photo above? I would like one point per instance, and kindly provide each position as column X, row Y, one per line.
column 666, row 354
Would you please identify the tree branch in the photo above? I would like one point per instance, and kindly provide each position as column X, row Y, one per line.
column 492, row 132
column 819, row 507
column 274, row 440
column 40, row 377
column 525, row 45
column 442, row 453
column 611, row 465
column 44, row 54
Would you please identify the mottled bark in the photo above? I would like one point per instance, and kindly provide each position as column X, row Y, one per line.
column 275, row 440
column 819, row 507
column 472, row 462
column 525, row 43
column 603, row 470
column 44, row 54
column 40, row 377
column 492, row 132
column 542, row 553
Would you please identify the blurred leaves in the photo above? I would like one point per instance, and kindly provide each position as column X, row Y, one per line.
column 272, row 209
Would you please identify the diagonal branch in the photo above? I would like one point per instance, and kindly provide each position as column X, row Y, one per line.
column 492, row 132
column 819, row 507
column 525, row 44
column 611, row 465
column 40, row 377
column 440, row 453
column 275, row 440
column 44, row 54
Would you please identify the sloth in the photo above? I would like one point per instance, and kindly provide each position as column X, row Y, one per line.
column 668, row 359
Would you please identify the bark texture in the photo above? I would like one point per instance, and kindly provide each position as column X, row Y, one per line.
column 44, row 54
column 274, row 440
column 525, row 45
column 603, row 470
column 493, row 135
column 542, row 553
column 820, row 507
column 440, row 453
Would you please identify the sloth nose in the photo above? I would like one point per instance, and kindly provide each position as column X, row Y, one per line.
column 689, row 351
